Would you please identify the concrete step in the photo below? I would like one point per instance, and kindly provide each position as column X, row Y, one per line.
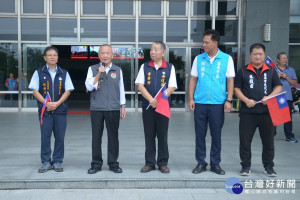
column 113, row 184
column 141, row 183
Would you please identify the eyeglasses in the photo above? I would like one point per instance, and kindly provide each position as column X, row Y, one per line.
column 52, row 55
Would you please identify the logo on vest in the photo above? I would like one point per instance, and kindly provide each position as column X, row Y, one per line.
column 113, row 75
column 265, row 83
column 59, row 88
column 202, row 69
column 60, row 78
column 251, row 82
column 218, row 70
column 163, row 79
column 149, row 78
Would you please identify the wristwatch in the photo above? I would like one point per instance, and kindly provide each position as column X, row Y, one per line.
column 229, row 101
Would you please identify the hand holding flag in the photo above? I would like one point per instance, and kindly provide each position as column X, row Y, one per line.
column 268, row 61
column 157, row 96
column 47, row 99
column 163, row 106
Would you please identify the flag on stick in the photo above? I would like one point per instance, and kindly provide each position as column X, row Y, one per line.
column 163, row 106
column 156, row 95
column 279, row 109
column 47, row 99
column 268, row 61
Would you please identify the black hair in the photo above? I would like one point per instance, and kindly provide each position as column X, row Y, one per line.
column 50, row 48
column 257, row 46
column 215, row 35
column 162, row 45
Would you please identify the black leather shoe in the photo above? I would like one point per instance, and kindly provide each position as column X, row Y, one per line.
column 116, row 169
column 199, row 168
column 93, row 170
column 217, row 169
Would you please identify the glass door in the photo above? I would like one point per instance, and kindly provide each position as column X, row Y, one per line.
column 124, row 57
column 177, row 56
column 32, row 59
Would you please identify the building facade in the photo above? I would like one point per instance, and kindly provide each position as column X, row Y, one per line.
column 78, row 27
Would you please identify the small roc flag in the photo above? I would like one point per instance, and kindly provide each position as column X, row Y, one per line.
column 47, row 99
column 279, row 109
column 268, row 61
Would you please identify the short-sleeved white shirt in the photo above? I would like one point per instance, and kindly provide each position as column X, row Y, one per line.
column 140, row 79
column 230, row 73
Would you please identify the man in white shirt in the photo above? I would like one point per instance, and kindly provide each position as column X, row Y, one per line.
column 105, row 83
column 212, row 73
column 151, row 77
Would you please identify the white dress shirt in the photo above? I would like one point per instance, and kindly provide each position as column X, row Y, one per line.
column 140, row 79
column 230, row 73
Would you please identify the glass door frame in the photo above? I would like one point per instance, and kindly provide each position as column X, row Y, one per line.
column 132, row 92
column 187, row 70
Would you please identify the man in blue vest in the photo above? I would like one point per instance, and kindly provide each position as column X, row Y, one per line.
column 151, row 77
column 12, row 85
column 212, row 73
column 57, row 82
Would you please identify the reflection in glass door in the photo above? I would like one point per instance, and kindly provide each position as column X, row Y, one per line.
column 8, row 75
column 124, row 57
column 32, row 59
column 177, row 56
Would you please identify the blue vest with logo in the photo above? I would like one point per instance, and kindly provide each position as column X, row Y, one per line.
column 55, row 89
column 155, row 79
column 211, row 83
column 12, row 83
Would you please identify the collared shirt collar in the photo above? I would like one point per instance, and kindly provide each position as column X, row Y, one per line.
column 163, row 65
column 48, row 68
column 251, row 68
column 286, row 68
column 211, row 59
column 108, row 67
column 213, row 56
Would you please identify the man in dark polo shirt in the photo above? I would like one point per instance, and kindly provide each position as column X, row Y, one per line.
column 255, row 82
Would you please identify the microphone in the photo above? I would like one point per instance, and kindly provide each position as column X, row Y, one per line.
column 102, row 74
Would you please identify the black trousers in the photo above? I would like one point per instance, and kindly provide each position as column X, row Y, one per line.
column 112, row 121
column 155, row 125
column 288, row 126
column 247, row 127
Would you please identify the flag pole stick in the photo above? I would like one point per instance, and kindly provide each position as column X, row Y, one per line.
column 49, row 96
column 272, row 97
column 156, row 95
